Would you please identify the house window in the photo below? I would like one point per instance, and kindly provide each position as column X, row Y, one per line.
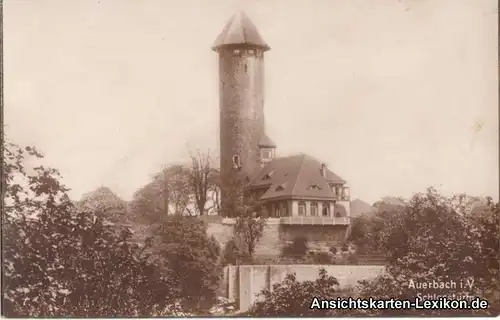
column 246, row 68
column 284, row 210
column 280, row 188
column 338, row 214
column 345, row 193
column 314, row 209
column 314, row 187
column 302, row 208
column 250, row 51
column 277, row 211
column 326, row 209
column 337, row 191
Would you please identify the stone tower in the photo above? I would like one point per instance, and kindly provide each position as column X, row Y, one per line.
column 240, row 49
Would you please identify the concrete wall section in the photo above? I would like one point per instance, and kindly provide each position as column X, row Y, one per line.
column 253, row 279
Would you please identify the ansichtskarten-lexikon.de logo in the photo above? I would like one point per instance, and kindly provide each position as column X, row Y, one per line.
column 443, row 303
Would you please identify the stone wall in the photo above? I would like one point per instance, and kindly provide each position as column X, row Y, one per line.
column 276, row 235
column 241, row 78
column 244, row 283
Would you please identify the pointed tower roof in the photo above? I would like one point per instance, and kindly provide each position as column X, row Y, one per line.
column 266, row 142
column 240, row 30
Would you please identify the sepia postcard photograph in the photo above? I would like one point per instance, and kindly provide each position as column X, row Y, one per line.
column 250, row 158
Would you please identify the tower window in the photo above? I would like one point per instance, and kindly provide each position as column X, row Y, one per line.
column 236, row 162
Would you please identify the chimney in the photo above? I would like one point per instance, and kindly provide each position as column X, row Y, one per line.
column 323, row 170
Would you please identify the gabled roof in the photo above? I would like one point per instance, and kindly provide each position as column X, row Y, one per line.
column 240, row 30
column 266, row 142
column 295, row 174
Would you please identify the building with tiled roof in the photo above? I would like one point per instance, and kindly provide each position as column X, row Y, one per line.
column 297, row 189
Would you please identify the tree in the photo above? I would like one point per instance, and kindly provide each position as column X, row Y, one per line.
column 106, row 204
column 203, row 181
column 232, row 253
column 193, row 258
column 61, row 261
column 430, row 238
column 168, row 193
column 485, row 226
column 360, row 231
column 249, row 227
column 365, row 230
column 292, row 298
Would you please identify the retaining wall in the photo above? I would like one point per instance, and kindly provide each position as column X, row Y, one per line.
column 244, row 283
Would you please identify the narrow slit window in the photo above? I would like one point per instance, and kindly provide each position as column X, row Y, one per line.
column 236, row 161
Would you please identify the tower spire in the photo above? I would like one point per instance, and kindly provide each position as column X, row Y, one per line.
column 240, row 30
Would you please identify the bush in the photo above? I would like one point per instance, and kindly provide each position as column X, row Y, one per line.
column 298, row 248
column 352, row 259
column 361, row 249
column 334, row 250
column 293, row 298
column 231, row 253
column 193, row 258
column 344, row 247
column 322, row 258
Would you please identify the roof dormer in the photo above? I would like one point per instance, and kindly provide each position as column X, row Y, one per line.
column 267, row 149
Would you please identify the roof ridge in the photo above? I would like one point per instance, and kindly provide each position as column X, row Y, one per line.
column 298, row 174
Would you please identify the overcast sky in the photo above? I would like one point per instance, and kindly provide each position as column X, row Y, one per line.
column 394, row 95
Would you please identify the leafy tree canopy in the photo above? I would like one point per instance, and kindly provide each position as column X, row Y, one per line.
column 193, row 258
column 61, row 261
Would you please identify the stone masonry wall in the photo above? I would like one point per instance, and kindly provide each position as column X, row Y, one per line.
column 275, row 236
